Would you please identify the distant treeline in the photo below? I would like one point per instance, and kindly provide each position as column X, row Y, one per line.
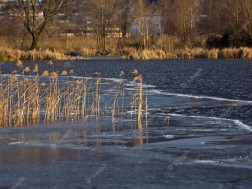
column 204, row 24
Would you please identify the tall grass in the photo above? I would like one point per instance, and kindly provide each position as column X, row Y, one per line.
column 28, row 98
column 159, row 54
column 9, row 54
column 25, row 100
column 139, row 101
column 59, row 47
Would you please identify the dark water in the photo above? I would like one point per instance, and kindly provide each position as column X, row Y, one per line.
column 199, row 133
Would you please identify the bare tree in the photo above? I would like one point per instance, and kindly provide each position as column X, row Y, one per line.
column 246, row 6
column 234, row 10
column 124, row 19
column 161, row 15
column 102, row 17
column 36, row 15
column 124, row 16
column 212, row 9
column 144, row 20
column 187, row 14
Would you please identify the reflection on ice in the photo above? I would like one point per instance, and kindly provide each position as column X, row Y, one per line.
column 175, row 123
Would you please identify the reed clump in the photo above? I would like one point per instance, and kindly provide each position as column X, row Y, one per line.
column 8, row 54
column 29, row 98
column 212, row 53
column 43, row 55
column 187, row 53
column 245, row 52
column 139, row 101
column 88, row 51
column 229, row 53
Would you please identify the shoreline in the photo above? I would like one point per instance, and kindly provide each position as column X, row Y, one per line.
column 10, row 55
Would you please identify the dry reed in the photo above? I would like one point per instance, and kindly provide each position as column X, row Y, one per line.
column 27, row 99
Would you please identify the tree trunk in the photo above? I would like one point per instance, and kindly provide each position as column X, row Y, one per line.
column 34, row 41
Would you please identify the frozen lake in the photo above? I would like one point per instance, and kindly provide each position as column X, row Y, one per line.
column 198, row 133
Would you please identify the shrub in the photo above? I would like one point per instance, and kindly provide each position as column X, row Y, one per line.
column 213, row 41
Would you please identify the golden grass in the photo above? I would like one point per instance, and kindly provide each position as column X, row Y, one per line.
column 212, row 54
column 146, row 54
column 28, row 100
column 58, row 47
column 229, row 53
column 138, row 101
column 245, row 52
column 8, row 54
column 235, row 53
column 64, row 73
column 88, row 51
column 190, row 54
column 22, row 100
column 45, row 73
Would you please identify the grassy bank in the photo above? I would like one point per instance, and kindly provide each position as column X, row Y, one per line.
column 8, row 54
column 58, row 48
column 188, row 53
